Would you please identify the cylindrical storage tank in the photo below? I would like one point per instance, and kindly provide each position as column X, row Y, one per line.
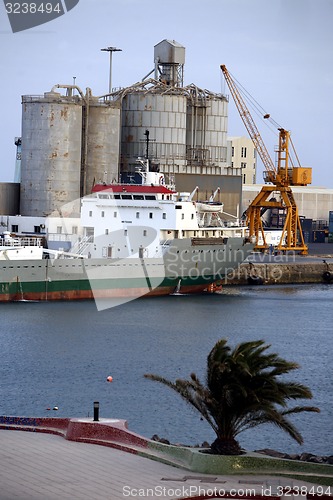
column 164, row 117
column 9, row 198
column 51, row 153
column 206, row 134
column 103, row 135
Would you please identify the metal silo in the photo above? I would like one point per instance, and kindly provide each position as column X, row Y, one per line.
column 169, row 57
column 51, row 152
column 163, row 115
column 206, row 134
column 103, row 134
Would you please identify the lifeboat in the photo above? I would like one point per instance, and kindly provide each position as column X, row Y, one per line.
column 209, row 206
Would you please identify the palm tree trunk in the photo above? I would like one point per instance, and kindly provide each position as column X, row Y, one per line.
column 226, row 446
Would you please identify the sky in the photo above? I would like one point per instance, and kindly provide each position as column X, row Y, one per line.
column 281, row 51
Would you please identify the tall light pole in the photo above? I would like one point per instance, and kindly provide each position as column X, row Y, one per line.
column 111, row 50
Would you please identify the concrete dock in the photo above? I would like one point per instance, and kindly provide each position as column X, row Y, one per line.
column 282, row 269
column 77, row 459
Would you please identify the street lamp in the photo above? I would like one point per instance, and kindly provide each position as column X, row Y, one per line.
column 110, row 50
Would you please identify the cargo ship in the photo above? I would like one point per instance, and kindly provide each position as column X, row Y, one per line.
column 137, row 239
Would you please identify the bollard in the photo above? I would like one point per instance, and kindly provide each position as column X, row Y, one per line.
column 96, row 411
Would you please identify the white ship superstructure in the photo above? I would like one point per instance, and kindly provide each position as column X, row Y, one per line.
column 137, row 240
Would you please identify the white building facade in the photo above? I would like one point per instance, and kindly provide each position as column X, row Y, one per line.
column 242, row 159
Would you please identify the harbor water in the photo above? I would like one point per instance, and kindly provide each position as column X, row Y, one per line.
column 59, row 354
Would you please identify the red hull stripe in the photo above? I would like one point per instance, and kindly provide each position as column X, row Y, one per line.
column 99, row 294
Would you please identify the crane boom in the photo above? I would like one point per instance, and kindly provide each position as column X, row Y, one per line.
column 249, row 123
column 280, row 179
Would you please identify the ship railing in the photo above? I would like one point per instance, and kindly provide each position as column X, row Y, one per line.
column 21, row 242
column 60, row 237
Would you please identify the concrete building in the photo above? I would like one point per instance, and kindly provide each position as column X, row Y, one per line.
column 242, row 159
column 313, row 202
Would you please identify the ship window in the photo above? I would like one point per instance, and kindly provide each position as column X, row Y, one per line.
column 117, row 196
column 178, row 207
column 164, row 215
column 106, row 231
column 14, row 228
column 74, row 230
column 59, row 229
column 150, row 215
column 125, row 232
column 103, row 196
column 192, row 216
column 115, row 214
column 102, row 213
column 183, row 216
column 126, row 196
column 36, row 229
column 90, row 213
column 138, row 215
column 150, row 197
column 144, row 232
column 138, row 197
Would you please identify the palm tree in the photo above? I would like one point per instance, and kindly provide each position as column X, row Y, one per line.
column 243, row 389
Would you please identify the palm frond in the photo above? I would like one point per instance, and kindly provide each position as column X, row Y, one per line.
column 243, row 390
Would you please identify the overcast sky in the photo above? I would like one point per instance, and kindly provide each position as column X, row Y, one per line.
column 281, row 51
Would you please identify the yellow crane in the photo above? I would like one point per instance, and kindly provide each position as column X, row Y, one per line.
column 280, row 180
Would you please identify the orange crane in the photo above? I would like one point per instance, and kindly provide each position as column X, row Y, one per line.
column 280, row 180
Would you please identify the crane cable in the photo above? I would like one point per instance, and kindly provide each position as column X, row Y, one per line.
column 261, row 114
column 294, row 150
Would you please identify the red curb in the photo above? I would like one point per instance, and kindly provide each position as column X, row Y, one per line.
column 112, row 432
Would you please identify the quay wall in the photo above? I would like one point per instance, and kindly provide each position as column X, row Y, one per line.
column 279, row 273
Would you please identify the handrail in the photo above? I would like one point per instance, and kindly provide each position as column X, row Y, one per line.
column 20, row 242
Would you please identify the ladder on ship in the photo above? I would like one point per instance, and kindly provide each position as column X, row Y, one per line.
column 82, row 245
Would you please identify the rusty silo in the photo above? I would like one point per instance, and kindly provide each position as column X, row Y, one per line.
column 51, row 152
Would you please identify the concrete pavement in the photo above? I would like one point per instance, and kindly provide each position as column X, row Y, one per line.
column 41, row 466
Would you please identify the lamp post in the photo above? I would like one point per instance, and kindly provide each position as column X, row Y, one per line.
column 110, row 50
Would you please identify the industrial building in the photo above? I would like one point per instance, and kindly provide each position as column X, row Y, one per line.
column 314, row 206
column 72, row 139
column 242, row 159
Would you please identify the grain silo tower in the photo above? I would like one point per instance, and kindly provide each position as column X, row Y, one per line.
column 156, row 108
column 206, row 131
column 161, row 111
column 51, row 152
column 101, row 131
column 187, row 126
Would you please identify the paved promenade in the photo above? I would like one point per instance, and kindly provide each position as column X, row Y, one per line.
column 39, row 466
